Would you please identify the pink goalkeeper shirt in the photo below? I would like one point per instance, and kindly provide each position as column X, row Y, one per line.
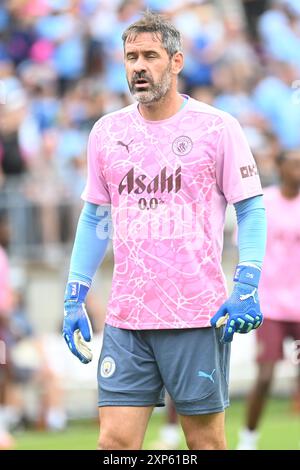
column 168, row 183
column 279, row 285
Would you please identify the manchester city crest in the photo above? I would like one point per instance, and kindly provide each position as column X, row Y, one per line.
column 108, row 367
column 182, row 145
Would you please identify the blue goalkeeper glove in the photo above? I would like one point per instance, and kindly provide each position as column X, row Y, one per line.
column 241, row 312
column 77, row 327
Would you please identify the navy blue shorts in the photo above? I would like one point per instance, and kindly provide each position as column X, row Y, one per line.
column 135, row 368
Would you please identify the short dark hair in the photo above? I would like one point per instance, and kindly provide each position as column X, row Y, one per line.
column 152, row 22
column 280, row 158
column 285, row 153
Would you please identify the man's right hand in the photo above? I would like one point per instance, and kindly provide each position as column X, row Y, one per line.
column 77, row 328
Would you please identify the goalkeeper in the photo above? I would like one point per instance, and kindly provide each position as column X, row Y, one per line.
column 160, row 173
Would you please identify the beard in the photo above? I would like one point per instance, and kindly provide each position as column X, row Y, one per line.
column 152, row 92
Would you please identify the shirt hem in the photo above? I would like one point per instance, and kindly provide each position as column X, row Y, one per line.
column 94, row 200
column 157, row 326
column 242, row 197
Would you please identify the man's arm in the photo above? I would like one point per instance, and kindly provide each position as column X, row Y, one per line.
column 252, row 230
column 241, row 312
column 89, row 249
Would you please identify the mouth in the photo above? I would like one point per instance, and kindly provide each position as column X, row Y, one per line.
column 141, row 83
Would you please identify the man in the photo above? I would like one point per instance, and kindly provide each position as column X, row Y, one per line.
column 279, row 289
column 167, row 166
column 6, row 306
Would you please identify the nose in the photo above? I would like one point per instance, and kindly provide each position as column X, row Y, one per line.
column 139, row 65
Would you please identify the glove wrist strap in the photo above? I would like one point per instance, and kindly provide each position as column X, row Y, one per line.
column 76, row 291
column 247, row 274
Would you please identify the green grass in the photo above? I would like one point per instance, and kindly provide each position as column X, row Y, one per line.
column 280, row 429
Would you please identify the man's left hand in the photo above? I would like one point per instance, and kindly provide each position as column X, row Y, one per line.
column 241, row 312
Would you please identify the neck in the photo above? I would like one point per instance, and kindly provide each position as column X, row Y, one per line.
column 289, row 191
column 162, row 109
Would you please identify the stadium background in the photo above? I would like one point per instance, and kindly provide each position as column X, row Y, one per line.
column 60, row 70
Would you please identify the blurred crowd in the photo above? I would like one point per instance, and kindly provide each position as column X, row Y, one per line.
column 61, row 69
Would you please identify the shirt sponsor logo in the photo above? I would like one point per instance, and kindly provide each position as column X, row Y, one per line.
column 249, row 170
column 161, row 182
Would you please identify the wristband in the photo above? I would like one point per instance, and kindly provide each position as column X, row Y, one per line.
column 247, row 274
column 76, row 291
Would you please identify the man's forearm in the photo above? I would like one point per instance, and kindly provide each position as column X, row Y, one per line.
column 91, row 240
column 252, row 230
